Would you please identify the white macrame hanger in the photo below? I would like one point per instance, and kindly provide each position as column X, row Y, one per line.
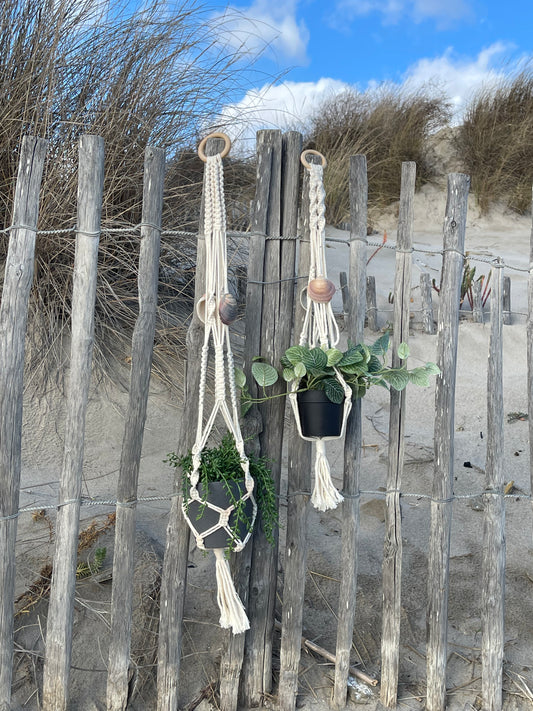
column 320, row 329
column 215, row 309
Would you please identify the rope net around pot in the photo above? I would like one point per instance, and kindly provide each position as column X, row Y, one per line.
column 320, row 329
column 217, row 309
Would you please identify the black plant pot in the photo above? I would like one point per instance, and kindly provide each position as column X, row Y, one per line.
column 203, row 518
column 319, row 417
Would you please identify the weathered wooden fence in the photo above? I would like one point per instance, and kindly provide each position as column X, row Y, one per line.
column 276, row 258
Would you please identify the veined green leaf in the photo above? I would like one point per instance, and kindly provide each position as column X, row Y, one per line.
column 315, row 359
column 334, row 356
column 300, row 370
column 403, row 351
column 397, row 378
column 295, row 354
column 351, row 357
column 264, row 374
column 334, row 390
column 374, row 364
column 245, row 406
column 285, row 362
column 381, row 346
column 432, row 369
column 353, row 369
column 240, row 378
column 419, row 376
column 288, row 374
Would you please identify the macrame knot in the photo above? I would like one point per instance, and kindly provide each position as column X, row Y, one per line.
column 224, row 517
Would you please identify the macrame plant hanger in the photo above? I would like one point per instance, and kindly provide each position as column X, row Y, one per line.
column 217, row 309
column 320, row 329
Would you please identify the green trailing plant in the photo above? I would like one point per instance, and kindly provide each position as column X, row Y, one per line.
column 361, row 366
column 223, row 464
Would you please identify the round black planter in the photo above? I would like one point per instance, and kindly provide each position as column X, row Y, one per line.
column 319, row 417
column 203, row 518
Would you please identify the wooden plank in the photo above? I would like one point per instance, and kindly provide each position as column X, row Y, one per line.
column 493, row 567
column 141, row 365
column 507, row 317
column 343, row 282
column 477, row 302
column 299, row 480
column 428, row 321
column 392, row 552
column 257, row 666
column 441, row 506
column 174, row 573
column 353, row 439
column 18, row 278
column 61, row 607
column 233, row 657
column 371, row 307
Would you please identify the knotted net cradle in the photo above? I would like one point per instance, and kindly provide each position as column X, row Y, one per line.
column 320, row 329
column 216, row 333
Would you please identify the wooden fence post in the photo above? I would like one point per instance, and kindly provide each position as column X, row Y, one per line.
column 343, row 283
column 353, row 438
column 141, row 364
column 428, row 321
column 530, row 352
column 507, row 318
column 257, row 666
column 298, row 474
column 174, row 573
column 441, row 505
column 392, row 553
column 371, row 307
column 232, row 659
column 477, row 301
column 18, row 278
column 61, row 607
column 493, row 568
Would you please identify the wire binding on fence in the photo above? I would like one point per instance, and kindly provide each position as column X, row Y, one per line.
column 283, row 497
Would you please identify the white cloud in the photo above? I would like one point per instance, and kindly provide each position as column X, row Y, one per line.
column 289, row 105
column 267, row 26
column 459, row 77
column 285, row 106
column 444, row 12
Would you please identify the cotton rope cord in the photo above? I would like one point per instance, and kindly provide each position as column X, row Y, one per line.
column 232, row 612
column 320, row 329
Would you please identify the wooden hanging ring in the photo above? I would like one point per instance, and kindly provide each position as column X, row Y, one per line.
column 315, row 153
column 224, row 151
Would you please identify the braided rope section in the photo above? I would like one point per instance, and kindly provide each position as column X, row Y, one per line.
column 232, row 613
column 320, row 329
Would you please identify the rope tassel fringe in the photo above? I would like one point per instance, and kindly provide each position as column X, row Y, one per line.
column 325, row 495
column 232, row 612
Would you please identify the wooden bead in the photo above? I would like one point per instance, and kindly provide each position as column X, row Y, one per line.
column 320, row 290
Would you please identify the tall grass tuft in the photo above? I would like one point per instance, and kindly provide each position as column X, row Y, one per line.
column 389, row 126
column 495, row 142
column 151, row 75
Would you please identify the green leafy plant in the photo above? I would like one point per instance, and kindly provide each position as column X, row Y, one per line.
column 223, row 464
column 361, row 366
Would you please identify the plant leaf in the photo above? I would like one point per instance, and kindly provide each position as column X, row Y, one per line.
column 397, row 378
column 381, row 346
column 334, row 390
column 245, row 406
column 264, row 374
column 295, row 354
column 432, row 369
column 300, row 370
column 288, row 374
column 315, row 359
column 351, row 357
column 334, row 356
column 240, row 378
column 354, row 369
column 403, row 351
column 419, row 376
column 374, row 364
column 285, row 362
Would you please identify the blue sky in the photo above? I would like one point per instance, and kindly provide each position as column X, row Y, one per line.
column 322, row 46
